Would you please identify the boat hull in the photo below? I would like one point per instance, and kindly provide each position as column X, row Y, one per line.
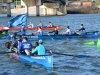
column 46, row 28
column 88, row 35
column 44, row 60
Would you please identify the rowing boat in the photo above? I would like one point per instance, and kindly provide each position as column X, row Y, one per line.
column 45, row 28
column 3, row 32
column 43, row 60
column 88, row 35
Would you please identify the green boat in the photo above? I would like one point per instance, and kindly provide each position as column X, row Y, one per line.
column 3, row 32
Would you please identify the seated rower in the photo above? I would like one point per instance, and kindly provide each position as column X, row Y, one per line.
column 14, row 38
column 17, row 44
column 81, row 30
column 50, row 24
column 25, row 46
column 36, row 44
column 40, row 24
column 31, row 25
column 55, row 31
column 22, row 31
column 39, row 32
column 67, row 32
column 40, row 49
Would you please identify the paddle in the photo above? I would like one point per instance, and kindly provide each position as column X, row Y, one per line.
column 79, row 56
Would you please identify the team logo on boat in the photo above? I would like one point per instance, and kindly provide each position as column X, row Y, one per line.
column 49, row 59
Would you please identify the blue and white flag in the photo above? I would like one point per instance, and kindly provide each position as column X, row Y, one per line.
column 17, row 21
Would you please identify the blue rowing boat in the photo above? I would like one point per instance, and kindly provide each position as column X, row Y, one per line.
column 87, row 35
column 43, row 60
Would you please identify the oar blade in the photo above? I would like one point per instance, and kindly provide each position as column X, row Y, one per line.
column 89, row 43
column 98, row 43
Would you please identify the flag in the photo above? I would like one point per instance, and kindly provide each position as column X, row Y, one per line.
column 17, row 21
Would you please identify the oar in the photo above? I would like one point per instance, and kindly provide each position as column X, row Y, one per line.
column 89, row 43
column 79, row 56
column 92, row 43
column 6, row 52
column 98, row 43
column 50, row 36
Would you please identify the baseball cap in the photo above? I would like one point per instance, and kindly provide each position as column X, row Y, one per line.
column 40, row 41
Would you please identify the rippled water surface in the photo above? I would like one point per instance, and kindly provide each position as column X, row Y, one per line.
column 63, row 65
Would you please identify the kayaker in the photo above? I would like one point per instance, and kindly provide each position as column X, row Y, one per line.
column 40, row 24
column 31, row 25
column 67, row 32
column 25, row 46
column 39, row 32
column 81, row 30
column 22, row 31
column 50, row 24
column 40, row 49
column 55, row 31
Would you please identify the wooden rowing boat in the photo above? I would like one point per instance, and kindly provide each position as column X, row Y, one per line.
column 43, row 60
column 88, row 35
column 45, row 28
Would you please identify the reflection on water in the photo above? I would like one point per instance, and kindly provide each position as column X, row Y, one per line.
column 63, row 64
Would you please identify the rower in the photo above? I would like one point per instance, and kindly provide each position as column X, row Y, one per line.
column 25, row 47
column 39, row 32
column 81, row 30
column 50, row 24
column 67, row 32
column 40, row 49
column 17, row 44
column 55, row 31
column 40, row 24
column 13, row 38
column 35, row 45
column 31, row 25
column 22, row 30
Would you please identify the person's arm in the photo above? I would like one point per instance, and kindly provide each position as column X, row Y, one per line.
column 34, row 50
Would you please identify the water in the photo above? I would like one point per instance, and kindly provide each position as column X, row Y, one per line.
column 63, row 65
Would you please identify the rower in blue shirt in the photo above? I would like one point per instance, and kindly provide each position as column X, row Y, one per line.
column 39, row 32
column 22, row 30
column 25, row 46
column 40, row 49
column 13, row 38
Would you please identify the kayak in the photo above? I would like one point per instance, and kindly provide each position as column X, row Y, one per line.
column 87, row 35
column 45, row 28
column 43, row 60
